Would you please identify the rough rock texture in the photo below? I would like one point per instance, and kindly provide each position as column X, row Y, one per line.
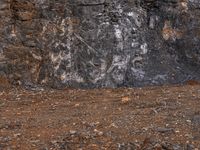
column 99, row 43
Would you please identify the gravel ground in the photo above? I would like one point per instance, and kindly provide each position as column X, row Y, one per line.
column 148, row 118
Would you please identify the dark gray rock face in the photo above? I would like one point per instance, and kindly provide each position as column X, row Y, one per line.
column 99, row 43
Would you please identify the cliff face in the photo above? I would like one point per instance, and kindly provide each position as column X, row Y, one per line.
column 99, row 43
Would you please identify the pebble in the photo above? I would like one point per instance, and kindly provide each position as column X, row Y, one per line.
column 100, row 133
column 17, row 135
column 113, row 125
column 72, row 132
column 125, row 99
column 188, row 121
column 164, row 130
column 77, row 105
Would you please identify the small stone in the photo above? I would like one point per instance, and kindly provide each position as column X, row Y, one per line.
column 114, row 125
column 72, row 132
column 77, row 105
column 100, row 133
column 189, row 121
column 164, row 130
column 54, row 142
column 125, row 99
column 17, row 135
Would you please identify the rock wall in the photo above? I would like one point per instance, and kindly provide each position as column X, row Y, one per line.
column 99, row 43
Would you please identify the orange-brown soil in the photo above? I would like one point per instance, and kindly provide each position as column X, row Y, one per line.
column 158, row 118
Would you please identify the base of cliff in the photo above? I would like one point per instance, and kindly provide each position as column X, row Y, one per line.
column 157, row 118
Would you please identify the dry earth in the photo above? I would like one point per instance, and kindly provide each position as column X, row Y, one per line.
column 157, row 118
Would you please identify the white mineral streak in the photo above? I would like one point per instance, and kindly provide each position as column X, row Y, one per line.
column 119, row 37
column 68, row 45
column 118, row 32
column 63, row 27
column 65, row 77
column 144, row 49
column 119, row 9
column 120, row 63
column 136, row 18
column 135, row 43
column 56, row 60
column 72, row 74
column 131, row 14
column 66, row 27
column 13, row 32
column 36, row 56
column 184, row 5
column 44, row 29
column 138, row 73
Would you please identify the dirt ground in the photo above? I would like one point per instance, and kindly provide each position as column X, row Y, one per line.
column 148, row 118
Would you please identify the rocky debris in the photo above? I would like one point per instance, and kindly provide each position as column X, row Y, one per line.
column 164, row 130
column 11, row 125
column 4, row 142
column 99, row 43
column 80, row 141
column 153, row 118
column 125, row 99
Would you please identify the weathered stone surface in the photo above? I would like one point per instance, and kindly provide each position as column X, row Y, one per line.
column 99, row 43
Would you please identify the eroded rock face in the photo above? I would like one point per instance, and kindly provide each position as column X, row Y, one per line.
column 99, row 43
